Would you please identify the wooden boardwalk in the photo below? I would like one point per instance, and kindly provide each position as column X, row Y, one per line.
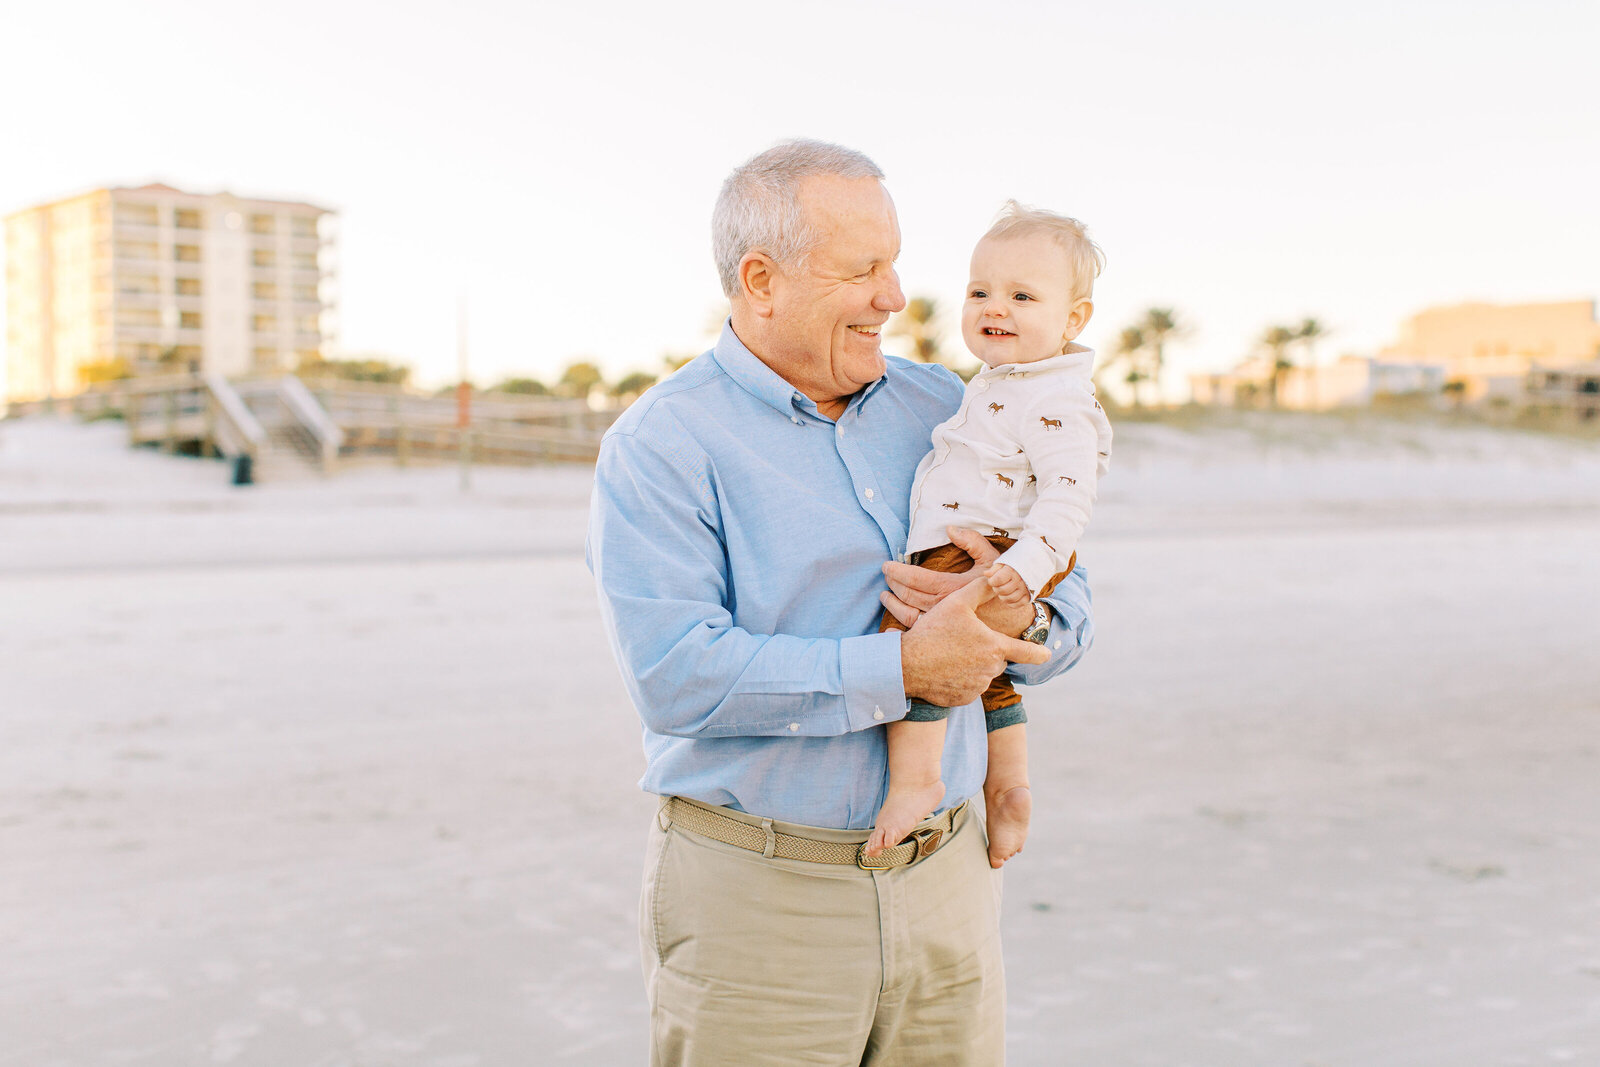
column 282, row 421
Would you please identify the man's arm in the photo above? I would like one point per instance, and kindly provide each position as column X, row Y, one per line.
column 656, row 549
column 915, row 590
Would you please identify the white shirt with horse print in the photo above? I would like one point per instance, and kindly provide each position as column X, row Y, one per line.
column 1022, row 457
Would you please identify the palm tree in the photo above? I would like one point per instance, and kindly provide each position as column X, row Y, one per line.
column 1157, row 326
column 1130, row 346
column 1277, row 340
column 1309, row 332
column 916, row 325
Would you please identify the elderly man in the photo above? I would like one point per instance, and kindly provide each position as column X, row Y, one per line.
column 743, row 510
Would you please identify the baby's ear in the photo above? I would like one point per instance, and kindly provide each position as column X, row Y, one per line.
column 1077, row 319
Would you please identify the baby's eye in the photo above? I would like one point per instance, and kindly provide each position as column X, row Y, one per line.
column 1023, row 296
column 979, row 293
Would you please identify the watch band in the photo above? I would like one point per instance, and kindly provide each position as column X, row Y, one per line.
column 1040, row 627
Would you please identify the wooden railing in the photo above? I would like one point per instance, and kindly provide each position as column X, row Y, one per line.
column 208, row 413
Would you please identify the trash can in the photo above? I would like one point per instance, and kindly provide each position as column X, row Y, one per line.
column 242, row 470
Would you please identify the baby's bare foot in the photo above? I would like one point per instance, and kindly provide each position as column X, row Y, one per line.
column 1008, row 813
column 902, row 809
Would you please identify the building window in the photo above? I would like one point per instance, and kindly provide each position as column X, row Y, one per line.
column 266, row 357
column 138, row 284
column 263, row 257
column 187, row 218
column 264, row 290
column 135, row 250
column 186, row 253
column 304, row 226
column 127, row 316
column 306, row 294
column 262, row 224
column 265, row 324
column 189, row 320
column 188, row 286
column 137, row 214
column 305, row 324
column 304, row 261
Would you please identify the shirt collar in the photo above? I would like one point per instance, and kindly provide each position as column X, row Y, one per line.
column 764, row 383
column 1075, row 357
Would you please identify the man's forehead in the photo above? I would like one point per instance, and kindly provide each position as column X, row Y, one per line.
column 832, row 200
column 854, row 219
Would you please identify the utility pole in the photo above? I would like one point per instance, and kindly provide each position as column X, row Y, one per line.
column 463, row 394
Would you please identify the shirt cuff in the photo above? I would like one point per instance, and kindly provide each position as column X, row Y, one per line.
column 1032, row 560
column 874, row 684
column 1066, row 642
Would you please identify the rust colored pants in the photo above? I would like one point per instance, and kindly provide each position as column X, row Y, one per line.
column 949, row 559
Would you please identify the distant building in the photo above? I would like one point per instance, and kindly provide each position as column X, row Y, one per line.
column 156, row 280
column 1488, row 350
column 1350, row 381
column 1568, row 391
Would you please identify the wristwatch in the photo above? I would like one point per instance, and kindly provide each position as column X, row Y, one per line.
column 1039, row 629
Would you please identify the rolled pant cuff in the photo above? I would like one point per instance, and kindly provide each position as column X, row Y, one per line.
column 1000, row 718
column 922, row 711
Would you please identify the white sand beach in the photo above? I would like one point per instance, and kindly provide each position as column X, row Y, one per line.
column 338, row 772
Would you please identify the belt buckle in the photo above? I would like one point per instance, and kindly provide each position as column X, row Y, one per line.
column 927, row 842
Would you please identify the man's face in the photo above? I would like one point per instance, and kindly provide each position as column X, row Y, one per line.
column 827, row 313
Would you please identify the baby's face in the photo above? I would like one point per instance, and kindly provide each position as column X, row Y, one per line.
column 1018, row 308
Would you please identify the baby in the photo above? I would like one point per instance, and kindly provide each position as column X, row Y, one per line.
column 1018, row 462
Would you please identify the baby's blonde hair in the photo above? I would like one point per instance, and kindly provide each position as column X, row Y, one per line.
column 1083, row 255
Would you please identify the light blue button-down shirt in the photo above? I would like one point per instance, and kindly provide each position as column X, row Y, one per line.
column 737, row 537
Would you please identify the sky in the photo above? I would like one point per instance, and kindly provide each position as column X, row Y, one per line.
column 1245, row 163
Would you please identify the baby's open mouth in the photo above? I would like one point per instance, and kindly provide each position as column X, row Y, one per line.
column 995, row 331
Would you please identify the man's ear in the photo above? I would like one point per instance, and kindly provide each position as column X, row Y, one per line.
column 757, row 274
column 1077, row 319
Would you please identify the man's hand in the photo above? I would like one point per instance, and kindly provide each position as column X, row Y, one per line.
column 914, row 590
column 950, row 656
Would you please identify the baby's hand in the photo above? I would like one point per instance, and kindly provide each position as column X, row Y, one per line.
column 1007, row 584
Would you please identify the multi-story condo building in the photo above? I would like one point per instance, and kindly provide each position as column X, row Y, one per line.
column 1488, row 350
column 153, row 280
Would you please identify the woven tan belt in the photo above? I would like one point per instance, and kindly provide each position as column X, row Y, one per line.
column 756, row 837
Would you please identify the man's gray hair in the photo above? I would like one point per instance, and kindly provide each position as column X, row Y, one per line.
column 759, row 206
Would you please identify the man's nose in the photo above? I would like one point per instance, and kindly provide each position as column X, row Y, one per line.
column 890, row 298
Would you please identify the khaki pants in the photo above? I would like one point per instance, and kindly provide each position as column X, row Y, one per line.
column 751, row 961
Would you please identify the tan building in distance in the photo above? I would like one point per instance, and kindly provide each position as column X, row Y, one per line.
column 155, row 280
column 1489, row 349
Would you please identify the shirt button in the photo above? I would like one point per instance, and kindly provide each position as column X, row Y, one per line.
column 794, row 419
column 841, row 431
column 869, row 494
column 877, row 713
column 794, row 728
column 1058, row 644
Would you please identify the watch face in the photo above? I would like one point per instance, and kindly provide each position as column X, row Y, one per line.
column 1041, row 626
